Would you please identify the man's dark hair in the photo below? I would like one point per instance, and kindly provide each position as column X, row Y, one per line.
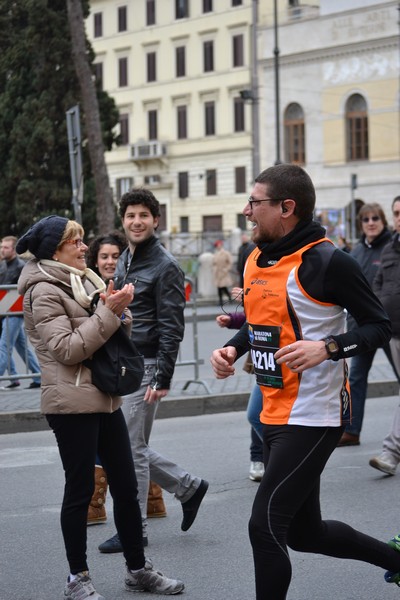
column 290, row 181
column 139, row 196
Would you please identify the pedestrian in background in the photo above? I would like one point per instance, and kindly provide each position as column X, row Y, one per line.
column 367, row 252
column 12, row 331
column 254, row 405
column 245, row 249
column 69, row 314
column 299, row 344
column 386, row 286
column 222, row 264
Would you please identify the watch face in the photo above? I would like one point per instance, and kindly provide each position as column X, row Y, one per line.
column 332, row 347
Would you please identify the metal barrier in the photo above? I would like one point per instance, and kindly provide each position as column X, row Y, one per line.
column 191, row 303
column 11, row 306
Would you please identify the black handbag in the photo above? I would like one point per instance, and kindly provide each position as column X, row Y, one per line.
column 117, row 367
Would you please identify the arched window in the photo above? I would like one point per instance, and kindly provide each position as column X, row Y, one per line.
column 295, row 145
column 356, row 128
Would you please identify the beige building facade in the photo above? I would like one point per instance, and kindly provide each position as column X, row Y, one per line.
column 176, row 69
column 339, row 101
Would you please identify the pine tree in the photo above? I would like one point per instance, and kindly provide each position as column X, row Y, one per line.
column 38, row 84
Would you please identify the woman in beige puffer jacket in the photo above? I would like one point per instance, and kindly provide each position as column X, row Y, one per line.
column 66, row 326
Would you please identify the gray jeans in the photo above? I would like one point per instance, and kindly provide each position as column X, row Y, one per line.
column 391, row 443
column 149, row 464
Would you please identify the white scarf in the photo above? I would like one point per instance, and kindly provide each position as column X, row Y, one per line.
column 76, row 285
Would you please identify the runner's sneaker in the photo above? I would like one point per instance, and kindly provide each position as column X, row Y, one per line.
column 149, row 580
column 391, row 576
column 81, row 588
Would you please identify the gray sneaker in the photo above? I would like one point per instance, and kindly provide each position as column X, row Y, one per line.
column 81, row 588
column 149, row 580
column 385, row 462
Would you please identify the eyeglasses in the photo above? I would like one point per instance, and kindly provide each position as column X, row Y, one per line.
column 78, row 243
column 374, row 218
column 252, row 200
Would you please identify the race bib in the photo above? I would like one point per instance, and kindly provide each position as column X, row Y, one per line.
column 264, row 342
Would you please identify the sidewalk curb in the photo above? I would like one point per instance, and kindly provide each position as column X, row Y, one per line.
column 185, row 406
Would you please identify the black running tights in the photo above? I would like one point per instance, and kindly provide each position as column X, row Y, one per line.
column 286, row 510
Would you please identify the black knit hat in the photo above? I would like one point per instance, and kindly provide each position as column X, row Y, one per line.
column 43, row 237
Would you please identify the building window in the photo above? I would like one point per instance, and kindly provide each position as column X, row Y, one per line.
column 237, row 2
column 240, row 180
column 181, row 9
column 295, row 147
column 209, row 118
column 162, row 219
column 98, row 74
column 124, row 129
column 184, row 224
column 98, row 24
column 124, row 184
column 180, row 56
column 151, row 66
column 151, row 12
column 207, row 6
column 182, row 122
column 122, row 72
column 211, row 182
column 183, row 184
column 241, row 221
column 208, row 56
column 122, row 18
column 152, row 124
column 212, row 223
column 237, row 49
column 238, row 109
column 357, row 128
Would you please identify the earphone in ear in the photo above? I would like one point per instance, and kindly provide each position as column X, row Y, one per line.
column 284, row 209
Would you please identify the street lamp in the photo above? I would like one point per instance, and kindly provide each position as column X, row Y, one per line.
column 251, row 95
column 277, row 100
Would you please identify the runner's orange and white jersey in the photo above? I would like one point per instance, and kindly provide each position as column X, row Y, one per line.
column 279, row 312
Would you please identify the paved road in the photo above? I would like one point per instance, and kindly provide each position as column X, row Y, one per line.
column 214, row 557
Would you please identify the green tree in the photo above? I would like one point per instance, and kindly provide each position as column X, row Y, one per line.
column 80, row 53
column 38, row 84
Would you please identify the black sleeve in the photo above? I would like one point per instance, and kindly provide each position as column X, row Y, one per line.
column 240, row 341
column 341, row 282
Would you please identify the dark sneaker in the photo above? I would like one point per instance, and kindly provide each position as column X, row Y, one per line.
column 190, row 507
column 33, row 386
column 149, row 580
column 114, row 545
column 81, row 588
column 391, row 576
column 11, row 386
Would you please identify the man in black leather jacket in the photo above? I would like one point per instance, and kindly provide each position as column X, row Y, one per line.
column 157, row 330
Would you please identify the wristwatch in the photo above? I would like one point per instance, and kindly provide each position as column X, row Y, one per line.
column 332, row 348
